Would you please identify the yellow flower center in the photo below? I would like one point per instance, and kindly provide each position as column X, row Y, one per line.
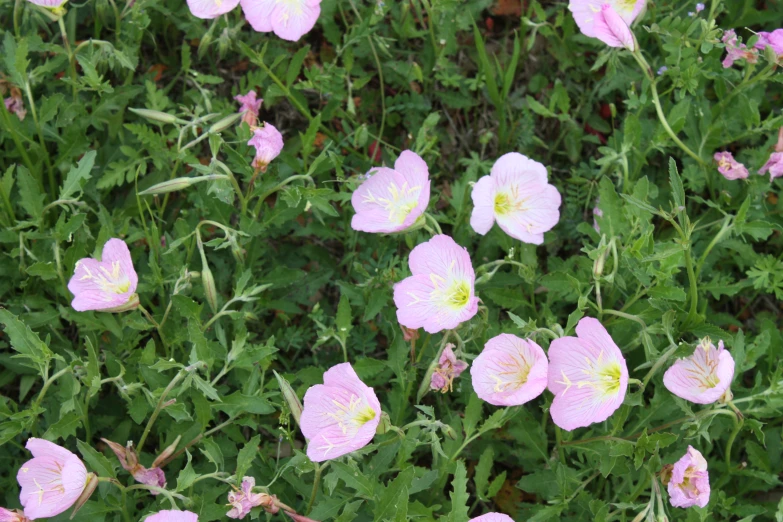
column 365, row 416
column 502, row 204
column 459, row 296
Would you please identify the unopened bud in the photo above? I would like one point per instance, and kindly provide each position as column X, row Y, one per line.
column 448, row 431
column 179, row 184
column 666, row 474
column 158, row 116
column 225, row 123
column 209, row 287
column 726, row 397
column 290, row 396
column 166, row 453
column 409, row 334
column 598, row 265
column 384, row 425
column 170, row 402
column 89, row 487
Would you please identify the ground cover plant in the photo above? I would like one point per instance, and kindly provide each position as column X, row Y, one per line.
column 360, row 260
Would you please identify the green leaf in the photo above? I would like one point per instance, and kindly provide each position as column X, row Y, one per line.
column 483, row 468
column 393, row 503
column 295, row 66
column 459, row 494
column 78, row 176
column 24, row 340
column 32, row 197
column 187, row 476
column 246, row 456
column 678, row 191
column 64, row 428
column 96, row 462
column 343, row 318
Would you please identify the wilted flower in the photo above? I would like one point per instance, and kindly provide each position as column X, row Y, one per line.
column 601, row 19
column 249, row 106
column 391, row 200
column 129, row 461
column 737, row 51
column 729, row 167
column 690, row 483
column 7, row 515
column 15, row 104
column 340, row 415
column 773, row 39
column 108, row 285
column 268, row 143
column 171, row 515
column 208, row 9
column 662, row 70
column 516, row 195
column 492, row 517
column 588, row 376
column 440, row 294
column 774, row 166
column 243, row 500
column 409, row 334
column 509, row 371
column 289, row 20
column 704, row 376
column 699, row 7
column 449, row 368
column 597, row 212
column 52, row 481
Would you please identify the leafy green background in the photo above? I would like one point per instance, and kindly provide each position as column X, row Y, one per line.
column 459, row 83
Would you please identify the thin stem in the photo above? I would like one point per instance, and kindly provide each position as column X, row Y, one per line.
column 316, row 481
column 71, row 55
column 694, row 291
column 277, row 187
column 48, row 383
column 657, row 366
column 724, row 229
column 559, row 442
column 739, row 420
column 627, row 316
column 431, row 219
column 196, row 440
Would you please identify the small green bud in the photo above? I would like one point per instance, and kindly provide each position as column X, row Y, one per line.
column 225, row 123
column 384, row 425
column 290, row 396
column 209, row 287
column 162, row 117
column 89, row 488
column 176, row 184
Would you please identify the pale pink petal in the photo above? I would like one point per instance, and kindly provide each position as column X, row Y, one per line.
column 539, row 212
column 509, row 371
column 50, row 485
column 45, row 448
column 610, row 28
column 207, row 9
column 585, row 11
column 774, row 165
column 415, row 309
column 115, row 250
column 690, row 483
column 151, row 477
column 259, row 13
column 48, row 3
column 294, row 18
column 483, row 216
column 441, row 256
column 588, row 376
column 510, row 167
column 172, row 516
column 493, row 517
column 414, row 171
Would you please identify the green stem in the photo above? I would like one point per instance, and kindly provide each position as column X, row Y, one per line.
column 627, row 316
column 71, row 55
column 277, row 187
column 47, row 160
column 196, row 440
column 48, row 383
column 738, row 422
column 724, row 229
column 316, row 481
column 431, row 219
column 17, row 142
column 694, row 291
column 559, row 442
column 657, row 366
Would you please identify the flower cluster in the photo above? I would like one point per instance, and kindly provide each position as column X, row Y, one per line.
column 289, row 20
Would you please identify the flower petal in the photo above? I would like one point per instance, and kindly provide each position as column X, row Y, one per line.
column 483, row 216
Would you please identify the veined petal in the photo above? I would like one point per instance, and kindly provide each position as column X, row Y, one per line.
column 515, row 167
column 259, row 13
column 493, row 517
column 532, row 210
column 207, row 9
column 483, row 216
column 509, row 371
column 116, row 251
column 443, row 257
column 611, row 29
column 294, row 18
column 703, row 377
column 387, row 202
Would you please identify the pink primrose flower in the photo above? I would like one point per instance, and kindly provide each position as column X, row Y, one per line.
column 129, row 461
column 509, row 371
column 703, row 377
column 340, row 415
column 729, row 167
column 588, row 376
column 590, row 17
column 773, row 39
column 108, row 285
column 449, row 368
column 516, row 195
column 268, row 143
column 250, row 106
column 774, row 166
column 690, row 482
column 290, row 20
column 8, row 515
column 611, row 29
column 493, row 517
column 391, row 200
column 208, row 9
column 171, row 515
column 52, row 481
column 737, row 51
column 440, row 294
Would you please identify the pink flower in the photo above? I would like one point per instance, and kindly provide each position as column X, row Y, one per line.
column 51, row 481
column 130, row 462
column 773, row 39
column 268, row 143
column 611, row 29
column 774, row 166
column 243, row 500
column 729, row 167
column 592, row 20
column 588, row 376
column 492, row 517
column 250, row 106
column 208, row 9
column 704, row 376
column 171, row 515
column 108, row 285
column 299, row 518
column 340, row 415
column 690, row 482
column 6, row 515
column 509, row 371
column 51, row 4
column 289, row 20
column 449, row 368
column 439, row 295
column 737, row 51
column 15, row 105
column 516, row 195
column 391, row 200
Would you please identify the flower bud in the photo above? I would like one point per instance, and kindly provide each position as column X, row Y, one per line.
column 666, row 474
column 384, row 425
column 89, row 487
column 178, row 184
column 225, row 123
column 290, row 396
column 448, row 431
column 209, row 286
column 166, row 453
column 158, row 116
